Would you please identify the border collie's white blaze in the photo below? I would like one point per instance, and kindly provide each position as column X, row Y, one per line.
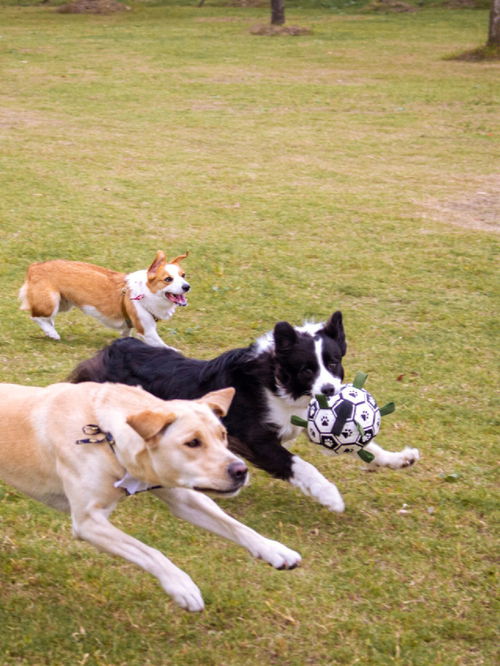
column 325, row 382
column 274, row 378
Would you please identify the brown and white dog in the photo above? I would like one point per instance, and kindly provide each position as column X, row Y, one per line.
column 174, row 449
column 118, row 300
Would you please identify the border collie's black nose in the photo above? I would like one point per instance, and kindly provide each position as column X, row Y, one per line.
column 237, row 471
column 186, row 287
column 328, row 390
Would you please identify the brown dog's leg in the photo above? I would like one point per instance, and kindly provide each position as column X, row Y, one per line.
column 43, row 303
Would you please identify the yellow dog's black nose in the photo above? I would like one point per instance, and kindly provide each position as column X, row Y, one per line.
column 237, row 471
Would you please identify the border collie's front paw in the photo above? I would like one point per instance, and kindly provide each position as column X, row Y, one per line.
column 409, row 457
column 404, row 458
column 330, row 497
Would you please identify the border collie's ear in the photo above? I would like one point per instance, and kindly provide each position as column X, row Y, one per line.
column 334, row 328
column 148, row 424
column 159, row 260
column 285, row 336
column 179, row 258
column 219, row 401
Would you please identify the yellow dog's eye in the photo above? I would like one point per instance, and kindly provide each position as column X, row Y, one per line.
column 168, row 279
column 193, row 443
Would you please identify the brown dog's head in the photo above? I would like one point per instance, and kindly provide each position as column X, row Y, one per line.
column 185, row 445
column 168, row 278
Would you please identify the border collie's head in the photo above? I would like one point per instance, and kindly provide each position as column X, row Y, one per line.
column 308, row 359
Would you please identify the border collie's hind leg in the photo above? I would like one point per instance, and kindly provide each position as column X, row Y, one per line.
column 392, row 459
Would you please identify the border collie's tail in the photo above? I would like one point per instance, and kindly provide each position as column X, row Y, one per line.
column 114, row 362
column 91, row 370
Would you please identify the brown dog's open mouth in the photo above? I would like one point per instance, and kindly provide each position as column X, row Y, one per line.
column 178, row 299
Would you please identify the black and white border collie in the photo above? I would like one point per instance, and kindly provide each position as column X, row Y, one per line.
column 274, row 378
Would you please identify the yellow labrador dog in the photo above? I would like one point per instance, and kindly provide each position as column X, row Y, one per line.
column 83, row 447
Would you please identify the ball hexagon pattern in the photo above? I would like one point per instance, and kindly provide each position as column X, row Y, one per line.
column 344, row 423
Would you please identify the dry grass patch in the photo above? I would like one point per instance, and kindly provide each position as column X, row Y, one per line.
column 390, row 7
column 269, row 30
column 478, row 208
column 479, row 54
column 93, row 7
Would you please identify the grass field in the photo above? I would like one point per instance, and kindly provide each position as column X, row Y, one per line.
column 351, row 168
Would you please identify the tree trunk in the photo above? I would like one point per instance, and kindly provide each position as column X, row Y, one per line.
column 278, row 11
column 494, row 28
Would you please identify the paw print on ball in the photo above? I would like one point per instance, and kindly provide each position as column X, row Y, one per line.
column 324, row 420
column 364, row 415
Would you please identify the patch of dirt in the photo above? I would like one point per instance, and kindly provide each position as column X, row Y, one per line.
column 463, row 4
column 93, row 7
column 220, row 19
column 273, row 30
column 19, row 118
column 481, row 54
column 390, row 6
column 247, row 3
column 479, row 209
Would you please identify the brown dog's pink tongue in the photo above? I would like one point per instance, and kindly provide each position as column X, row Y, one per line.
column 178, row 299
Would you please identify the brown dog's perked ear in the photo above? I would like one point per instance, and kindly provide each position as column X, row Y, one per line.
column 179, row 258
column 159, row 260
column 219, row 401
column 148, row 424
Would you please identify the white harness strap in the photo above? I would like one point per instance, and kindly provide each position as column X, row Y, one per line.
column 132, row 486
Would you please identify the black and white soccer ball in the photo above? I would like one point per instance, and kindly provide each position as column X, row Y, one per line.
column 344, row 423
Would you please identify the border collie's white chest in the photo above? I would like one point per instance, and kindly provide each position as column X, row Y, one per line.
column 281, row 409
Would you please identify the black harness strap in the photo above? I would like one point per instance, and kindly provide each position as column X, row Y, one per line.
column 98, row 436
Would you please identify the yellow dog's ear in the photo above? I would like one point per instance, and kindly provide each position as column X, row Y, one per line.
column 159, row 260
column 219, row 401
column 179, row 258
column 148, row 424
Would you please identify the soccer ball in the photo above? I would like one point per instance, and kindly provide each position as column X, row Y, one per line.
column 344, row 423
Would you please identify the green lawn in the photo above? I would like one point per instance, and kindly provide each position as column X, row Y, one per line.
column 353, row 169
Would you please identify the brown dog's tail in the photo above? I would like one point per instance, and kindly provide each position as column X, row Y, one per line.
column 23, row 297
